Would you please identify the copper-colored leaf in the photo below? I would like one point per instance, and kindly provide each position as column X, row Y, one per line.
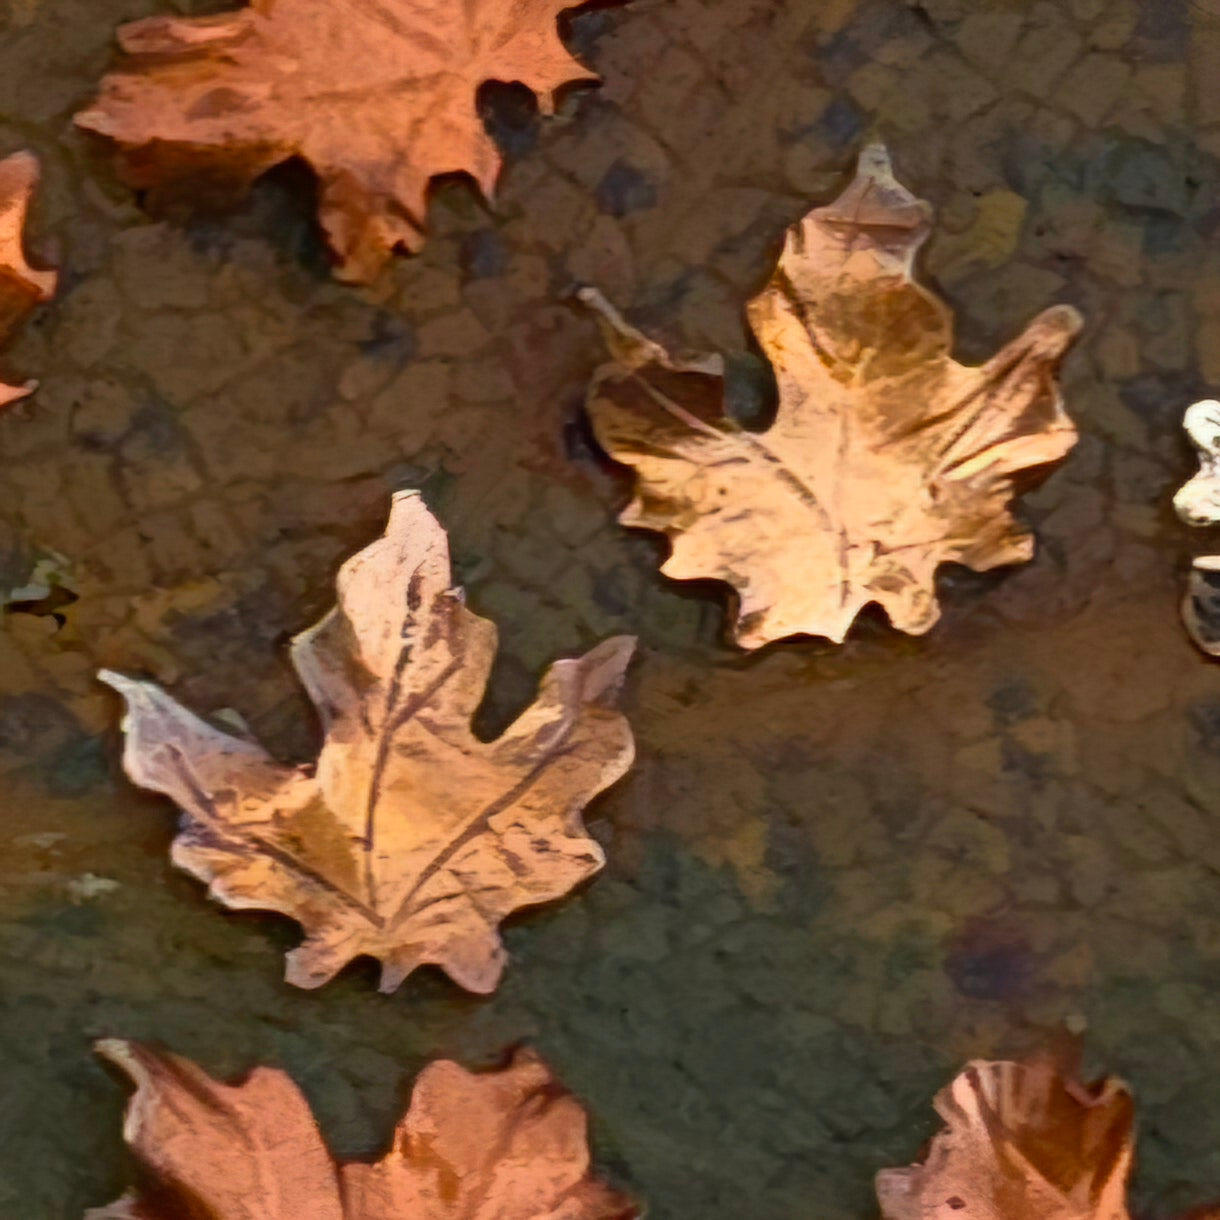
column 1022, row 1142
column 887, row 456
column 410, row 840
column 504, row 1145
column 378, row 96
column 21, row 286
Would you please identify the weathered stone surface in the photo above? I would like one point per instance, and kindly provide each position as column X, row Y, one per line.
column 833, row 877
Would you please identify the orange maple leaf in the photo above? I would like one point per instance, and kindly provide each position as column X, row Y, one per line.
column 508, row 1145
column 378, row 96
column 21, row 286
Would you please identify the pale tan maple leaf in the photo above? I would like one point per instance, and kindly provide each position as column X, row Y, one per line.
column 500, row 1145
column 1022, row 1142
column 21, row 286
column 410, row 839
column 377, row 96
column 887, row 457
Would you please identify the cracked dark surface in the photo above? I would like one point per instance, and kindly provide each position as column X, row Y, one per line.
column 834, row 874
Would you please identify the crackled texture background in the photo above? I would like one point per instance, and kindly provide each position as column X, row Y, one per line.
column 835, row 873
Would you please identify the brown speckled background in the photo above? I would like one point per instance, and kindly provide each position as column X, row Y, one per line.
column 835, row 873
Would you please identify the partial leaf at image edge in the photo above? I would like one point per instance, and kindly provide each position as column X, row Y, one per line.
column 513, row 1140
column 1023, row 1141
column 886, row 458
column 410, row 839
column 380, row 99
column 1197, row 503
column 22, row 287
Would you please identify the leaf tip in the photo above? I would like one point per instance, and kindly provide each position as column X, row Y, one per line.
column 117, row 682
column 626, row 344
column 408, row 515
column 94, row 119
column 622, row 645
column 408, row 501
column 605, row 667
column 128, row 689
column 875, row 161
column 10, row 394
column 116, row 1050
column 1063, row 321
column 596, row 301
column 396, row 968
column 19, row 172
column 130, row 1057
column 302, row 968
column 1072, row 318
column 525, row 1058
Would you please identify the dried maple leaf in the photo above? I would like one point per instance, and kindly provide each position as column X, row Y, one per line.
column 1198, row 503
column 378, row 96
column 886, row 458
column 1022, row 1143
column 410, row 839
column 503, row 1145
column 21, row 286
